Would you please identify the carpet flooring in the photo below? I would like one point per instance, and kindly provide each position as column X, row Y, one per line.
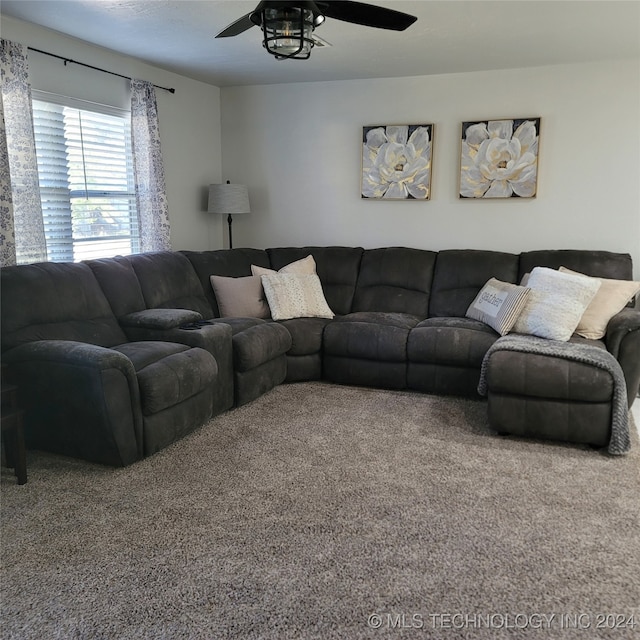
column 322, row 512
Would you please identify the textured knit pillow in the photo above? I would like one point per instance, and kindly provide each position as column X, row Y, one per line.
column 294, row 296
column 498, row 304
column 303, row 267
column 556, row 303
column 611, row 298
column 240, row 297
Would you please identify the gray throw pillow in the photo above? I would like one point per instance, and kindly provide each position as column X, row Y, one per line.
column 498, row 304
column 240, row 297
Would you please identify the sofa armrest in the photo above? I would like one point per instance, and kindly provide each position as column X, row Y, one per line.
column 216, row 338
column 80, row 400
column 159, row 318
column 623, row 341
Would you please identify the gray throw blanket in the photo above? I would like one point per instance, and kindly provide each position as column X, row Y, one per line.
column 577, row 352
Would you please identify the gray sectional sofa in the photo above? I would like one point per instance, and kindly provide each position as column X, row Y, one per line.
column 117, row 358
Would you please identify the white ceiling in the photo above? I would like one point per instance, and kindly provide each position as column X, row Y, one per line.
column 450, row 36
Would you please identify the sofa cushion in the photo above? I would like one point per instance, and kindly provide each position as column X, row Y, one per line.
column 337, row 268
column 306, row 335
column 119, row 283
column 370, row 336
column 542, row 376
column 396, row 280
column 169, row 373
column 233, row 263
column 383, row 318
column 168, row 280
column 238, row 325
column 450, row 341
column 460, row 274
column 259, row 344
column 295, row 296
column 240, row 297
column 55, row 301
column 599, row 264
column 556, row 303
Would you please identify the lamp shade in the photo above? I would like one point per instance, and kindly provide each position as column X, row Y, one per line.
column 228, row 198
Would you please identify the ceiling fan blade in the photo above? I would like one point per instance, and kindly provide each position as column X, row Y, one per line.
column 237, row 27
column 367, row 14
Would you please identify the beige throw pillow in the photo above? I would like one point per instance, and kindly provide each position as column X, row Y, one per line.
column 556, row 303
column 295, row 296
column 304, row 267
column 498, row 304
column 240, row 297
column 611, row 298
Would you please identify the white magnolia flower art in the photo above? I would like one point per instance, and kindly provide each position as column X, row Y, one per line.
column 396, row 162
column 499, row 158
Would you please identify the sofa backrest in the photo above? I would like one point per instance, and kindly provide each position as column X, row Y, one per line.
column 395, row 279
column 119, row 283
column 337, row 268
column 600, row 264
column 232, row 263
column 168, row 281
column 55, row 301
column 461, row 273
column 81, row 301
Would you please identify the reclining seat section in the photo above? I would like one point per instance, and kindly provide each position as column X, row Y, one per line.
column 551, row 397
column 446, row 350
column 259, row 346
column 122, row 289
column 369, row 346
column 90, row 393
column 623, row 334
column 337, row 268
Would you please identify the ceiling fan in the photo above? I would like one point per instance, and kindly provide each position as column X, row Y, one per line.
column 287, row 27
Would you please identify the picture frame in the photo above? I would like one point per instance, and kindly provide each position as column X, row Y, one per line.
column 397, row 162
column 499, row 158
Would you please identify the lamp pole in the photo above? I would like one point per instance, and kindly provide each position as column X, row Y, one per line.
column 230, row 222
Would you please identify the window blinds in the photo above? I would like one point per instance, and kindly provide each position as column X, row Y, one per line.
column 86, row 182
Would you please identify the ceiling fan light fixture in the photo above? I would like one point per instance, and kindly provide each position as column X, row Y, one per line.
column 288, row 28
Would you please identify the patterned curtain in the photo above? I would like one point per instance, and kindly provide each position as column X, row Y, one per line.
column 151, row 199
column 21, row 226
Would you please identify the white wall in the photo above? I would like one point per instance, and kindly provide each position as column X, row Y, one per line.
column 298, row 148
column 189, row 120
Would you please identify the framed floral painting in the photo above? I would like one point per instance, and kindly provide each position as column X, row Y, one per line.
column 499, row 158
column 396, row 162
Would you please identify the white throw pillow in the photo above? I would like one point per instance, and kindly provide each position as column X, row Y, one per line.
column 498, row 304
column 612, row 297
column 556, row 303
column 303, row 267
column 295, row 296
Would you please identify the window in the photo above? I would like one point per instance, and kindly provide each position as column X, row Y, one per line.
column 86, row 179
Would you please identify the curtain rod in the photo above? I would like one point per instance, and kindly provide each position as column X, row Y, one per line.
column 82, row 64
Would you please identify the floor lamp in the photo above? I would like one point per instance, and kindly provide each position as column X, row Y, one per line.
column 230, row 199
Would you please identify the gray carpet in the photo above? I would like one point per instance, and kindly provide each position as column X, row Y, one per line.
column 321, row 511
